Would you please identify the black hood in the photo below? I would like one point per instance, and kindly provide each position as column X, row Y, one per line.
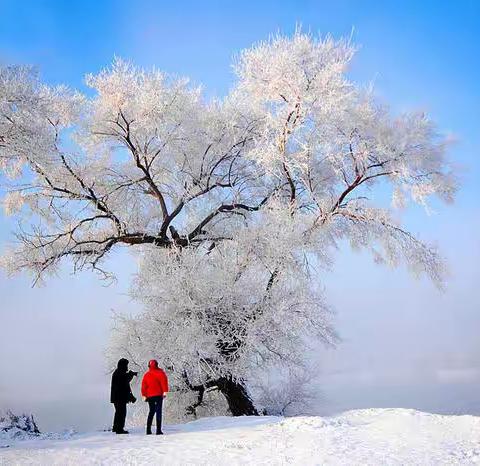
column 122, row 365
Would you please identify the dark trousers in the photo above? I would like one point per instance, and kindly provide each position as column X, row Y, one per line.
column 120, row 415
column 155, row 404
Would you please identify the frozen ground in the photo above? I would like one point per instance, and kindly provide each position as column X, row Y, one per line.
column 367, row 437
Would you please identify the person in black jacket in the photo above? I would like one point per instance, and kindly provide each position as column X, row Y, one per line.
column 121, row 394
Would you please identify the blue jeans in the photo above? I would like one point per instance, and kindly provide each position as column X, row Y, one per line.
column 155, row 404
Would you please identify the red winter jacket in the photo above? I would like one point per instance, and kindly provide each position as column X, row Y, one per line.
column 154, row 382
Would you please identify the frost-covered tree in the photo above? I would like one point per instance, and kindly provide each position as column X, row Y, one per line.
column 233, row 205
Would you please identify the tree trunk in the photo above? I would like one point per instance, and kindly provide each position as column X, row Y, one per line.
column 237, row 397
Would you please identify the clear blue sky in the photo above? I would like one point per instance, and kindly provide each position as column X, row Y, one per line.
column 421, row 54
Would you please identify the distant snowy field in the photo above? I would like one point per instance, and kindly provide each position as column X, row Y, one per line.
column 367, row 437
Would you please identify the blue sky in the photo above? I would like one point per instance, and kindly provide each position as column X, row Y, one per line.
column 419, row 54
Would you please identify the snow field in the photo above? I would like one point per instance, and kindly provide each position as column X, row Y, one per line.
column 366, row 437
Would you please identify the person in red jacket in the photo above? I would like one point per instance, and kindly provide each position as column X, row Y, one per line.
column 154, row 389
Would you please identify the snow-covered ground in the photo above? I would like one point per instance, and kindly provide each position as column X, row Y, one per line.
column 367, row 437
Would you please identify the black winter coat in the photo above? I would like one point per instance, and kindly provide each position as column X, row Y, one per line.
column 121, row 377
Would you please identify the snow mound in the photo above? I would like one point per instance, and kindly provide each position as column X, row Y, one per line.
column 13, row 426
column 368, row 436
